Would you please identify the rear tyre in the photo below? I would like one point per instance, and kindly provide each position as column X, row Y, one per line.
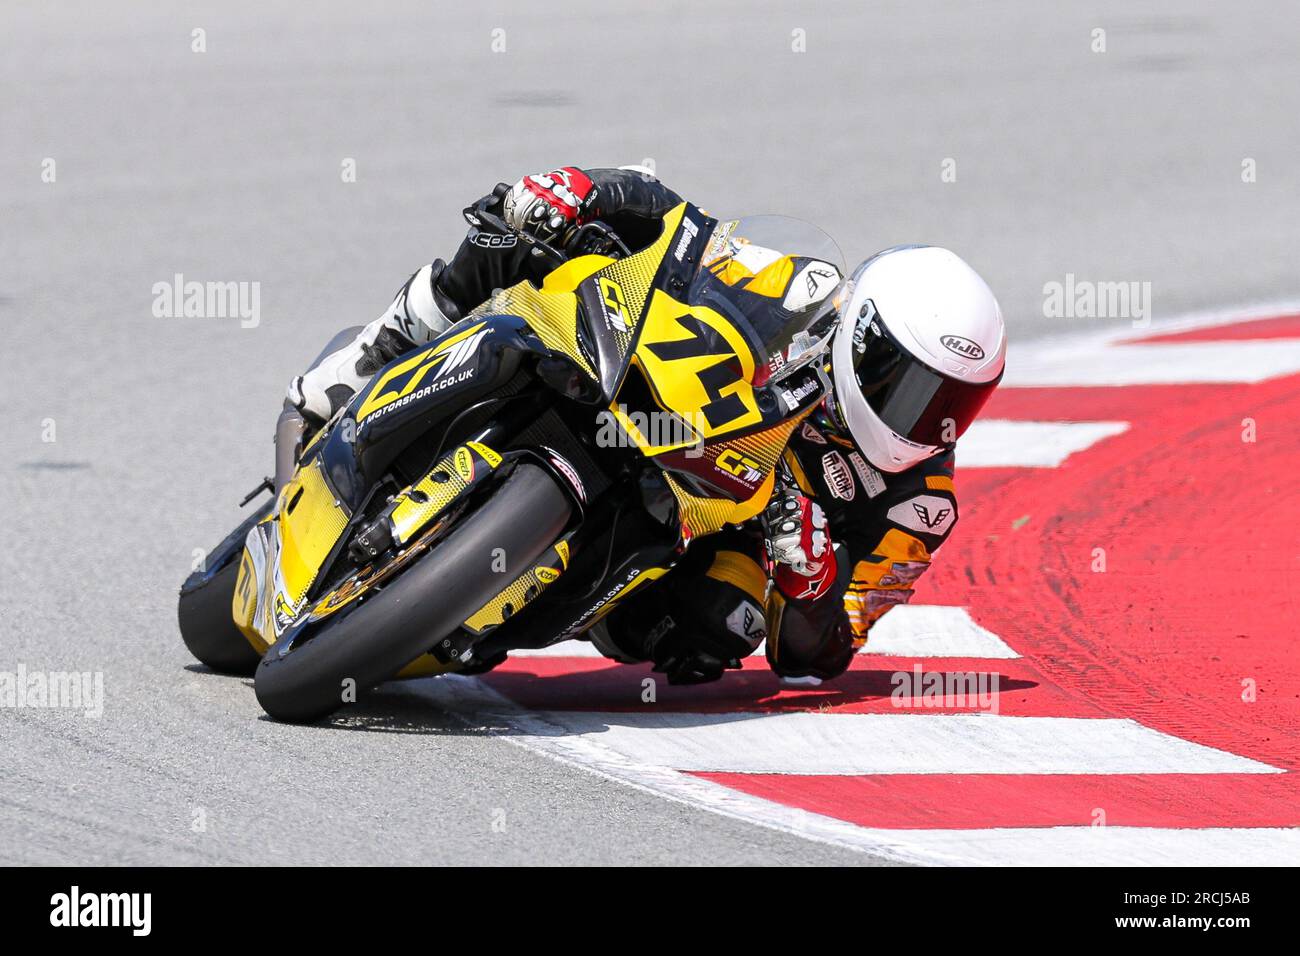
column 422, row 605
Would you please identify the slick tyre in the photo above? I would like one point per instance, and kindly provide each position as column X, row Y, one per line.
column 523, row 517
column 204, row 608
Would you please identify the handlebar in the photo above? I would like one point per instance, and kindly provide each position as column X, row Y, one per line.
column 593, row 237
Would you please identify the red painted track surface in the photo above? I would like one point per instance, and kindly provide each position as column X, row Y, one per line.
column 976, row 801
column 1152, row 577
column 1199, row 531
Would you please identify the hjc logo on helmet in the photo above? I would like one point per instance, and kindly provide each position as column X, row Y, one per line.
column 962, row 346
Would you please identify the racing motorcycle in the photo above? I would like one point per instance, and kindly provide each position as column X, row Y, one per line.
column 509, row 484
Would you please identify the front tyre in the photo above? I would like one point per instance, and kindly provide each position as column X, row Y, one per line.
column 428, row 601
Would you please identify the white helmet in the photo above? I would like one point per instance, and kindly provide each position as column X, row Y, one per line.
column 918, row 347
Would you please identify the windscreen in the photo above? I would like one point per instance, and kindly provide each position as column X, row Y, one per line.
column 769, row 275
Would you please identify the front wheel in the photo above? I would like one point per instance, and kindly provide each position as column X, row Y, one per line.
column 514, row 527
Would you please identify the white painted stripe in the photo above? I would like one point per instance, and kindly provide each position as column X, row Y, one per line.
column 914, row 742
column 1205, row 318
column 563, row 649
column 996, row 443
column 927, row 630
column 1097, row 357
column 1056, row 365
column 1102, row 846
column 478, row 705
column 908, row 630
column 918, row 741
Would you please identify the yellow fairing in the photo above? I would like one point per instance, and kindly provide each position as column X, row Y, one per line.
column 291, row 544
column 552, row 315
column 426, row 665
column 673, row 357
column 310, row 525
column 701, row 516
column 427, row 497
column 632, row 278
column 522, row 590
column 244, row 605
column 552, row 310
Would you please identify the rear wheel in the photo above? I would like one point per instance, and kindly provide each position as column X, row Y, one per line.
column 371, row 643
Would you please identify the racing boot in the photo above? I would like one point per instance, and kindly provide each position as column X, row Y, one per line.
column 420, row 312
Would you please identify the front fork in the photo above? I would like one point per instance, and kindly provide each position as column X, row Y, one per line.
column 290, row 433
column 290, row 427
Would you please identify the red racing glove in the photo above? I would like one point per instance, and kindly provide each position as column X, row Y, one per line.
column 798, row 545
column 547, row 204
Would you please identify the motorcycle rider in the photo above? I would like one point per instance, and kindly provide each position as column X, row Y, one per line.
column 865, row 492
column 439, row 294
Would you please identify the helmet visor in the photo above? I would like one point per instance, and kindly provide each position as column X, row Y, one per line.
column 914, row 400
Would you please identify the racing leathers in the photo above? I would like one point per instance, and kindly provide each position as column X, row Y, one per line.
column 719, row 606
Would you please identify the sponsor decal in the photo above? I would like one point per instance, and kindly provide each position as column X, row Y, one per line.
column 872, row 482
column 614, row 304
column 546, row 575
column 435, row 386
column 689, row 232
column 793, row 396
column 747, row 623
column 396, row 387
column 487, row 240
column 486, row 453
column 879, row 600
column 284, row 613
column 838, row 477
column 931, row 514
column 464, row 462
column 568, row 471
column 811, row 434
column 720, row 242
column 612, row 593
column 962, row 346
column 909, row 571
column 813, row 283
column 739, row 465
column 904, row 572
